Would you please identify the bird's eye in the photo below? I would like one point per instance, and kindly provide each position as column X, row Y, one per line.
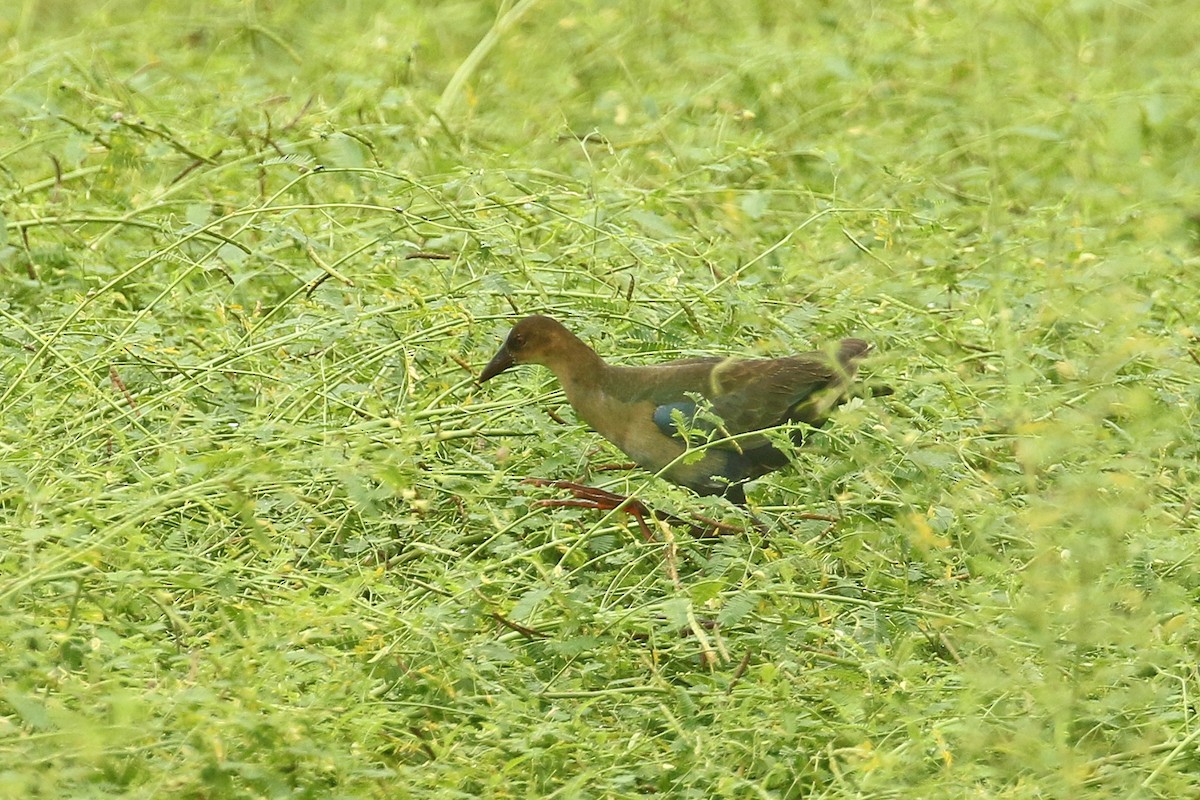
column 516, row 341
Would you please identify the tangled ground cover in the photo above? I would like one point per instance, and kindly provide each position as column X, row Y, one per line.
column 263, row 535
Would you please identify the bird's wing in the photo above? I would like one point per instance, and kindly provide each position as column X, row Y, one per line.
column 733, row 397
column 750, row 395
column 739, row 396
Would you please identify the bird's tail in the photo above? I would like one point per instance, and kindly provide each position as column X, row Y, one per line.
column 851, row 350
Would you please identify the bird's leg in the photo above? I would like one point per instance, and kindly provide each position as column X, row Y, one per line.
column 598, row 499
column 602, row 500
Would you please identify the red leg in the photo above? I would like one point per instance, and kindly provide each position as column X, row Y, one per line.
column 598, row 499
column 602, row 500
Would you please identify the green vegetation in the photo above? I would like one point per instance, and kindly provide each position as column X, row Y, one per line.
column 263, row 537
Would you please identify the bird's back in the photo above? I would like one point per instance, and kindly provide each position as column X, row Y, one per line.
column 749, row 394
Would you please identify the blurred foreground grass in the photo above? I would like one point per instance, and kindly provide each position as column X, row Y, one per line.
column 263, row 537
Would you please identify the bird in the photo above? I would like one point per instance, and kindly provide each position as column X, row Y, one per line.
column 712, row 408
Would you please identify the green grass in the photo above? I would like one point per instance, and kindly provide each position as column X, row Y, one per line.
column 264, row 537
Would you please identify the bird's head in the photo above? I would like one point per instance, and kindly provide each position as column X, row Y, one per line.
column 533, row 340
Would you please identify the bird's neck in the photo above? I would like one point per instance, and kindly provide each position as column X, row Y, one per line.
column 580, row 371
column 577, row 366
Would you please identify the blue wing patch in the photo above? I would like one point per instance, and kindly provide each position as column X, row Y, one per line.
column 664, row 417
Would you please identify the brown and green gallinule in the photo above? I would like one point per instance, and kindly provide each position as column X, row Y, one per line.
column 654, row 414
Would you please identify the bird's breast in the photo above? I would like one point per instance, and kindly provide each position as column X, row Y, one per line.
column 628, row 425
column 631, row 427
